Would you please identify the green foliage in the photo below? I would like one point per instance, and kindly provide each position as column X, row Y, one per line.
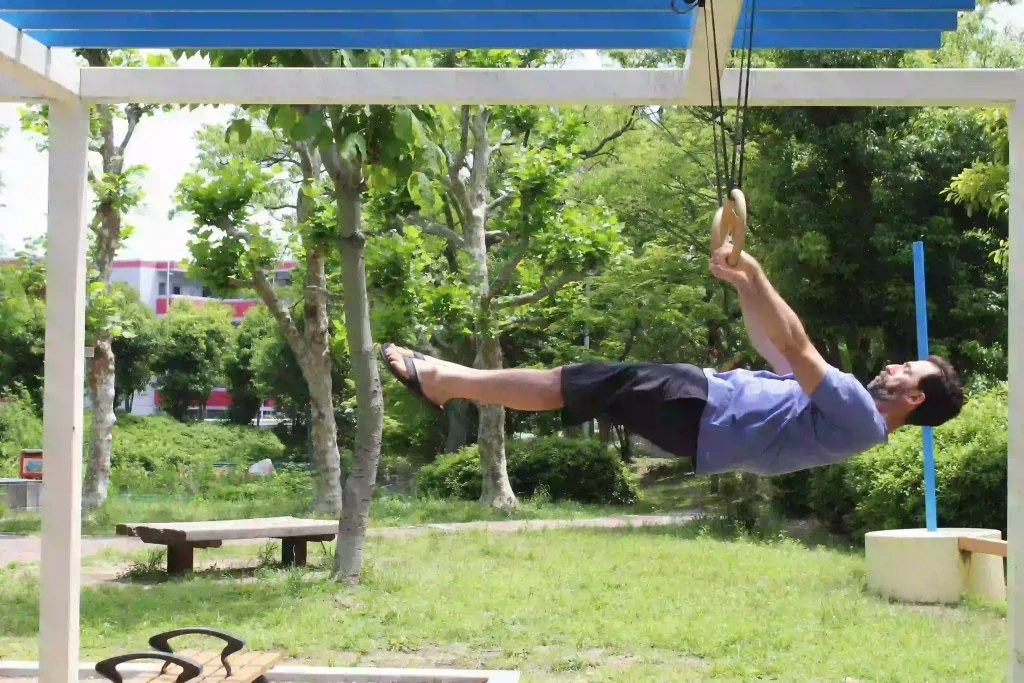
column 228, row 246
column 454, row 475
column 21, row 427
column 842, row 196
column 22, row 327
column 133, row 353
column 241, row 371
column 579, row 470
column 884, row 488
column 160, row 455
column 195, row 343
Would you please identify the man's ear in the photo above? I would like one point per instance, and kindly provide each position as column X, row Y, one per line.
column 914, row 397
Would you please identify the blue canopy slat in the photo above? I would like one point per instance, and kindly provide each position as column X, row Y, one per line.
column 461, row 5
column 871, row 20
column 472, row 24
column 468, row 40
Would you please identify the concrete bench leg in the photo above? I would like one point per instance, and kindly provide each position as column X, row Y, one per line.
column 180, row 558
column 293, row 552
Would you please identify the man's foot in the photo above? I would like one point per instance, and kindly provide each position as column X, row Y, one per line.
column 417, row 372
column 422, row 356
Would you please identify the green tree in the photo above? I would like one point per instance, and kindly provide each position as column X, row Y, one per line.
column 841, row 195
column 195, row 342
column 509, row 219
column 242, row 173
column 133, row 352
column 359, row 147
column 23, row 326
column 116, row 192
column 247, row 393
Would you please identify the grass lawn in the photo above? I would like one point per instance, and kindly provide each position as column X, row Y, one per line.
column 671, row 604
column 386, row 511
column 670, row 494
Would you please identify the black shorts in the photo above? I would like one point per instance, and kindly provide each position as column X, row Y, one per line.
column 662, row 403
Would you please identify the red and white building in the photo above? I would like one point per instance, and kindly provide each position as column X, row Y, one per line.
column 159, row 283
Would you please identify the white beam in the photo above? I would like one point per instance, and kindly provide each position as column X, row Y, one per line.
column 711, row 37
column 62, row 393
column 381, row 86
column 566, row 87
column 12, row 91
column 1015, row 353
column 51, row 73
column 876, row 87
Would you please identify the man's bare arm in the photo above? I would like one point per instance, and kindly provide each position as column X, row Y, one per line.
column 781, row 325
column 759, row 337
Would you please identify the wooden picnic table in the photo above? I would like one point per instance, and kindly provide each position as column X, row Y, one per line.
column 182, row 538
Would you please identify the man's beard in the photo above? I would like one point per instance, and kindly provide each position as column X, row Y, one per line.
column 880, row 392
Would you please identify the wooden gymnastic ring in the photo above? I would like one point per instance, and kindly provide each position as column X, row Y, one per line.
column 730, row 223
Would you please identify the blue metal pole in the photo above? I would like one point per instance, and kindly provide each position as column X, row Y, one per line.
column 927, row 438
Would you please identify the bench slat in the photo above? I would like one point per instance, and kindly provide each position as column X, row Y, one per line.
column 232, row 529
column 987, row 546
column 263, row 662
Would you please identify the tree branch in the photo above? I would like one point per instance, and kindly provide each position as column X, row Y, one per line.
column 510, row 268
column 503, row 198
column 261, row 283
column 502, row 139
column 133, row 113
column 542, row 293
column 492, row 237
column 464, row 140
column 279, row 159
column 614, row 135
column 441, row 231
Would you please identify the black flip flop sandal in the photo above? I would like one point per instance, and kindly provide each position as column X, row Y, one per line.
column 412, row 383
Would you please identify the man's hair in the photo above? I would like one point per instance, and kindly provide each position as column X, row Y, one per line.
column 943, row 396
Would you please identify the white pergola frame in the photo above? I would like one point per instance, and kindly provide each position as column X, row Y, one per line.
column 31, row 72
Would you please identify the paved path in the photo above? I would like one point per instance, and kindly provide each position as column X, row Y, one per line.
column 27, row 548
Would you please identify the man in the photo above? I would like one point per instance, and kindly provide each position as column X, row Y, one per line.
column 804, row 414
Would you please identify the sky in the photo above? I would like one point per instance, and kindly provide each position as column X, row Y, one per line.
column 165, row 144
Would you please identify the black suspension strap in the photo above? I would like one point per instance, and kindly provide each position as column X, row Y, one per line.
column 730, row 221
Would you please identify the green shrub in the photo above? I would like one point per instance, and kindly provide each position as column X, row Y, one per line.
column 581, row 470
column 20, row 428
column 454, row 475
column 158, row 454
column 563, row 469
column 884, row 488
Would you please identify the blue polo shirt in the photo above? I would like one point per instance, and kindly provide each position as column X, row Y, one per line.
column 764, row 423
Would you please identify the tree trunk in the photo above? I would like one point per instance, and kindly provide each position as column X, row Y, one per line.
column 458, row 425
column 359, row 484
column 497, row 490
column 101, row 395
column 311, row 347
column 107, row 228
column 323, row 430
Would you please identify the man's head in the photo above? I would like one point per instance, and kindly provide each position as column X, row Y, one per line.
column 921, row 392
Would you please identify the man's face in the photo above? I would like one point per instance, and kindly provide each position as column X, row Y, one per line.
column 899, row 383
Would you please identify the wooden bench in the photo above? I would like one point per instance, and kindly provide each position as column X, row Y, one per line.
column 226, row 666
column 182, row 538
column 986, row 546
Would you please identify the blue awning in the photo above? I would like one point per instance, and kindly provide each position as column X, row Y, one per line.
column 469, row 24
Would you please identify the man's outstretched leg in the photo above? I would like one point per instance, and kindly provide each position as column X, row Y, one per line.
column 660, row 402
column 517, row 389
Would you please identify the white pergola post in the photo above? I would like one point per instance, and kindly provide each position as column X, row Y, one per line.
column 62, row 396
column 711, row 38
column 1015, row 353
